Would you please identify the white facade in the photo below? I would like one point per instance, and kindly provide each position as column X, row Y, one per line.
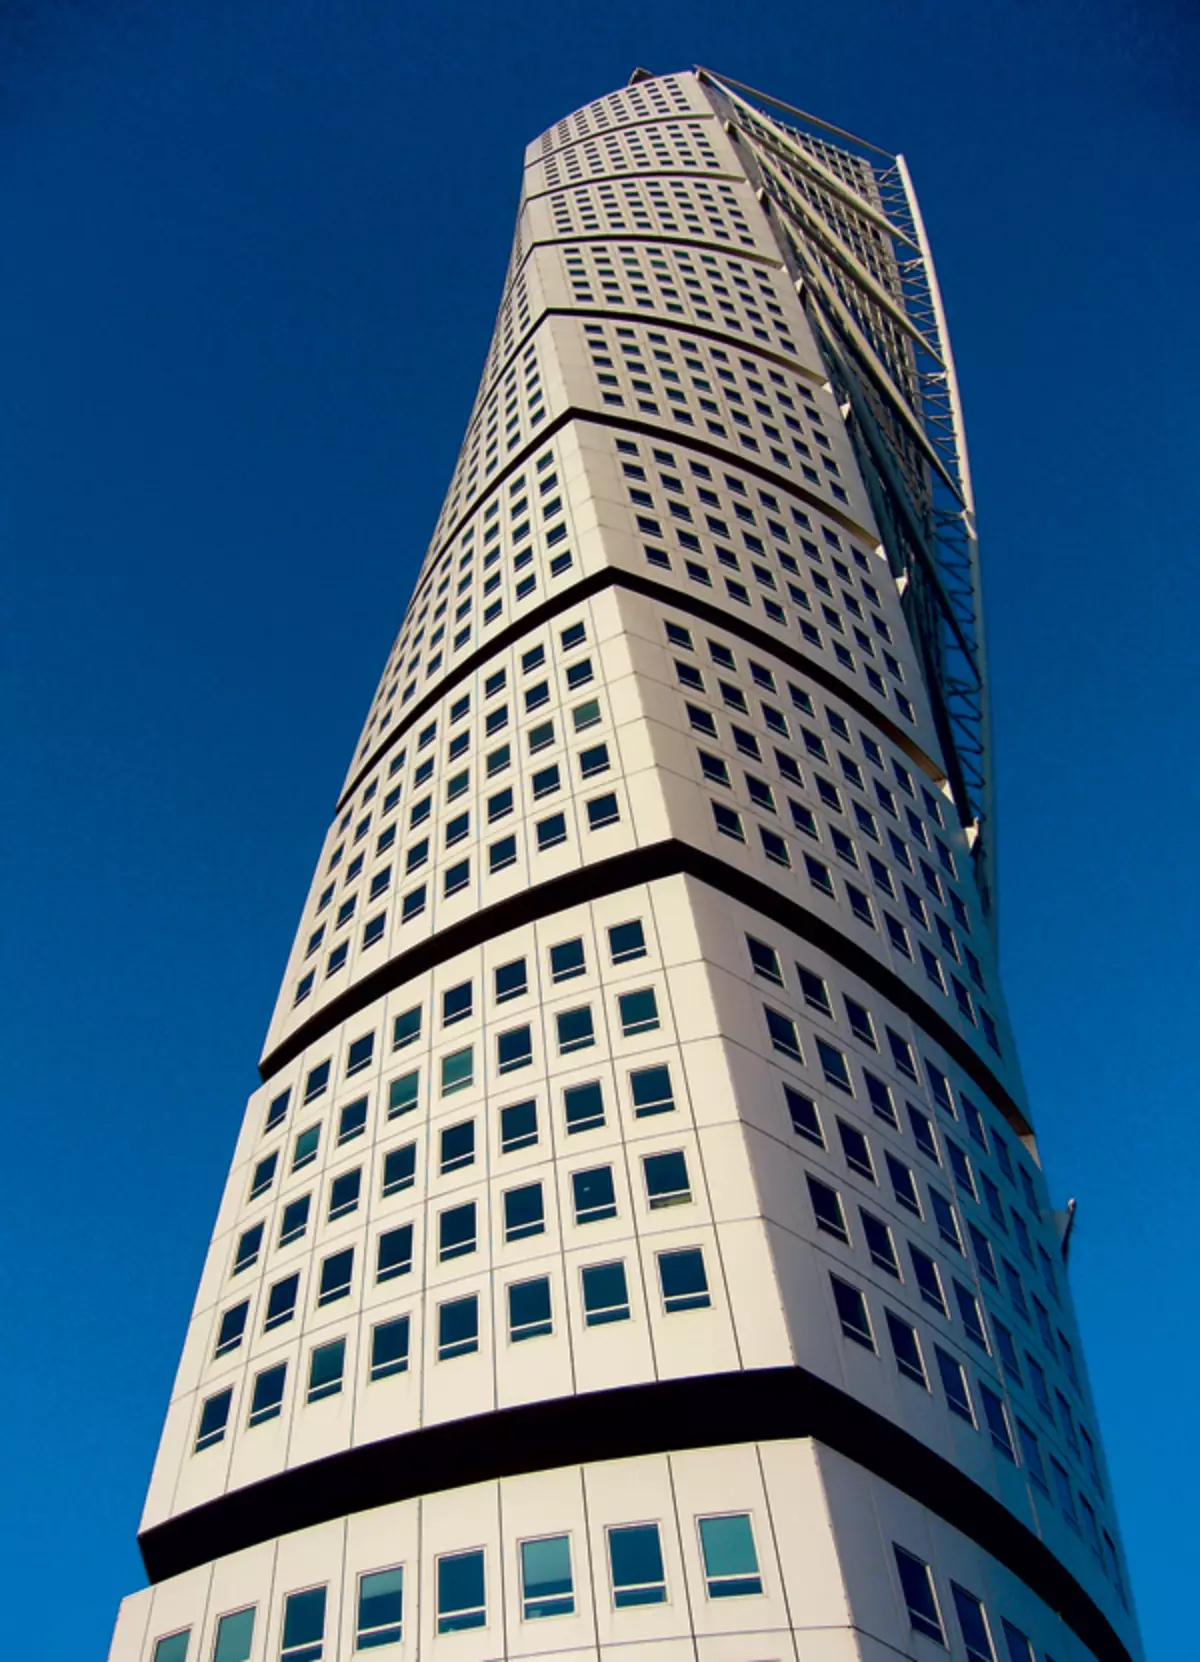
column 639, row 1238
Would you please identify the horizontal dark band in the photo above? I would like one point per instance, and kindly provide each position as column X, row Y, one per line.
column 670, row 858
column 710, row 1410
column 615, row 575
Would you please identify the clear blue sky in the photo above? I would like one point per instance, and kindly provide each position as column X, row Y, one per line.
column 250, row 253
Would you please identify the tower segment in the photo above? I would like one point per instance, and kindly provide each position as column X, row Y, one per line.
column 638, row 1242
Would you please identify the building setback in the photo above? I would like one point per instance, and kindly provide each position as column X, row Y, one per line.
column 638, row 1244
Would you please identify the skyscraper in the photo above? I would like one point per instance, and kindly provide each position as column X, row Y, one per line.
column 638, row 1243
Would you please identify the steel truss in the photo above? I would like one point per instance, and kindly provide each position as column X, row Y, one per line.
column 849, row 226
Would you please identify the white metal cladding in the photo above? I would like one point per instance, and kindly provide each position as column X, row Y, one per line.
column 764, row 1081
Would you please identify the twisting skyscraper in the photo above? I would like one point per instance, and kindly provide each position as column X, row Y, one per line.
column 638, row 1244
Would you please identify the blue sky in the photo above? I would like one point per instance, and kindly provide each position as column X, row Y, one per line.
column 249, row 261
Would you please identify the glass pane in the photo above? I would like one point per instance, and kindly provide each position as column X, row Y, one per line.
column 460, row 1592
column 303, row 1619
column 730, row 1561
column 234, row 1636
column 635, row 1556
column 546, row 1577
column 173, row 1648
column 380, row 1608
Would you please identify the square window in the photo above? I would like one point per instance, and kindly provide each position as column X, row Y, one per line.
column 214, row 1418
column 306, row 1147
column 399, row 1169
column 336, row 1273
column 304, row 1626
column 584, row 1106
column 626, row 941
column 683, row 1280
column 395, row 1253
column 529, row 1309
column 524, row 1212
column 551, row 832
column 460, row 1589
column 456, row 1232
column 594, row 1195
column 344, row 1193
column 852, row 1313
column 636, row 1565
column 514, row 1049
column 360, row 1054
column 295, row 1220
column 567, row 961
column 666, row 1177
column 510, row 981
column 575, row 1030
column 326, row 1368
column 547, row 1588
column 458, row 1332
column 407, row 1029
column 266, row 1401
column 457, row 1146
column 402, row 1095
column 518, row 1126
column 235, row 1635
column 916, row 1584
column 458, row 1070
column 605, row 1294
column 638, row 1012
column 380, row 1608
column 651, row 1091
column 730, row 1560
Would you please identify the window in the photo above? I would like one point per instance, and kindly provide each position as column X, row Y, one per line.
column 264, row 1175
column 317, row 1082
column 574, row 1029
column 266, row 1402
column 928, row 1280
column 457, row 1003
column 174, row 1647
column 529, row 1309
column 683, row 1280
column 567, row 960
column 360, row 1054
column 547, row 1588
column 295, row 1220
column 353, row 1118
column 968, row 1309
column 880, row 1245
column 551, row 832
column 852, row 1313
column 636, row 1565
column 666, row 1179
column 281, row 1302
column 407, row 1029
column 344, row 1193
column 395, row 1253
column 916, row 1584
column 996, row 1415
column 399, row 1169
column 593, row 1195
column 511, row 981
column 402, row 1096
column 1018, row 1646
column 502, row 854
column 214, row 1417
column 458, row 1328
column 602, row 811
column 638, row 1012
column 827, row 1209
column 783, row 1035
column 306, row 1147
column 248, row 1247
column 456, row 1232
column 806, row 1121
column 380, row 1609
column 514, row 1049
column 857, row 1150
column 626, row 941
column 235, row 1634
column 954, row 1383
column 389, row 1348
column 277, row 1112
column 460, row 1591
column 326, row 1367
column 904, row 1185
column 730, row 1560
column 651, row 1090
column 457, row 1147
column 336, row 1273
column 524, row 1212
column 518, row 1126
column 605, row 1294
column 232, row 1328
column 972, row 1624
column 906, row 1350
column 458, row 1070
